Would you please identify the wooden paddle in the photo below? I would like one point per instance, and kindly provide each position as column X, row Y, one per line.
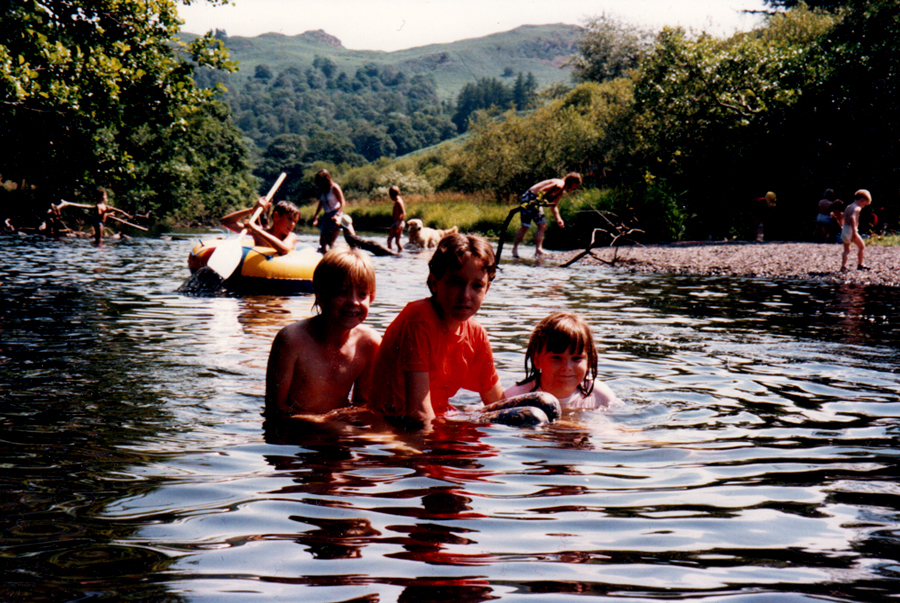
column 227, row 255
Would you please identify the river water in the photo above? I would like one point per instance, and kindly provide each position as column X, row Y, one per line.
column 755, row 457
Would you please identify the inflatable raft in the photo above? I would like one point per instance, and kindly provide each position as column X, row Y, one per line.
column 261, row 270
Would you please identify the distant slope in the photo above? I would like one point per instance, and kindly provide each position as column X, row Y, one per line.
column 539, row 49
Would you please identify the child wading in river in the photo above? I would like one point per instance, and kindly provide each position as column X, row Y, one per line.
column 315, row 363
column 435, row 347
column 398, row 216
column 561, row 360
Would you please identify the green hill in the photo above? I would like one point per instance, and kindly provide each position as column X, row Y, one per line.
column 538, row 49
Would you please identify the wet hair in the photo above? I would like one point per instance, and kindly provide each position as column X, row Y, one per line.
column 286, row 207
column 394, row 191
column 455, row 248
column 573, row 177
column 862, row 194
column 323, row 179
column 829, row 194
column 558, row 333
column 336, row 267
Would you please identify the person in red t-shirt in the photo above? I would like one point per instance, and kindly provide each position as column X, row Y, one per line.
column 435, row 347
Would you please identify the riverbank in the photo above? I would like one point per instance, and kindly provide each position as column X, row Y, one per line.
column 802, row 261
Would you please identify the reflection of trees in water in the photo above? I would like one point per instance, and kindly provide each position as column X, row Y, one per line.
column 83, row 395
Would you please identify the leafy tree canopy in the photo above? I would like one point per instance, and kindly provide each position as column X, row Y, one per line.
column 379, row 111
column 575, row 133
column 492, row 94
column 84, row 86
column 609, row 48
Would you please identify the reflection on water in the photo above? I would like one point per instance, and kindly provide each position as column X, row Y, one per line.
column 755, row 459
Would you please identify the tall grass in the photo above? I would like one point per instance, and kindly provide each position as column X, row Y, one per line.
column 885, row 240
column 472, row 213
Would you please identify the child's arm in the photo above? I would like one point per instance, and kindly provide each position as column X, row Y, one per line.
column 493, row 395
column 362, row 387
column 282, row 247
column 233, row 220
column 604, row 394
column 418, row 396
column 124, row 213
column 554, row 209
column 315, row 218
column 854, row 217
column 280, row 373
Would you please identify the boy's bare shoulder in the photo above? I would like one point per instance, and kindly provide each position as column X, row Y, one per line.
column 367, row 334
column 294, row 332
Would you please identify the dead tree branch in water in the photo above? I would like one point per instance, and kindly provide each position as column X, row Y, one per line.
column 503, row 228
column 621, row 232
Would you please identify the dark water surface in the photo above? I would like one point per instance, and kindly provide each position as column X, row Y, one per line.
column 755, row 459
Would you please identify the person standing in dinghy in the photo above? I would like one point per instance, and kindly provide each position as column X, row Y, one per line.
column 279, row 236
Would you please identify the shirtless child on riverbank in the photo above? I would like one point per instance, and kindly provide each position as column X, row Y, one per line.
column 850, row 230
column 315, row 363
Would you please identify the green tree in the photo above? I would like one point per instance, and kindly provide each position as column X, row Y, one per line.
column 524, row 92
column 78, row 80
column 609, row 48
column 857, row 125
column 331, row 147
column 193, row 174
column 284, row 154
column 486, row 93
column 723, row 119
column 507, row 155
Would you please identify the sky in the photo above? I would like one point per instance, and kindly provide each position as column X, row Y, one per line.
column 400, row 24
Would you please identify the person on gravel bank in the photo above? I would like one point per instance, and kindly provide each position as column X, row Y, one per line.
column 850, row 230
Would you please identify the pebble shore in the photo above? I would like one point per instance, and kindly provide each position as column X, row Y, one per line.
column 776, row 260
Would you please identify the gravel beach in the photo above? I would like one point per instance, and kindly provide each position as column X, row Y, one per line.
column 802, row 261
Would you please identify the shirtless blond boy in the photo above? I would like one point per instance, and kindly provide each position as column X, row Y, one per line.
column 399, row 218
column 850, row 229
column 315, row 363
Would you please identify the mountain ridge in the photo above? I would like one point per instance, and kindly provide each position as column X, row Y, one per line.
column 542, row 50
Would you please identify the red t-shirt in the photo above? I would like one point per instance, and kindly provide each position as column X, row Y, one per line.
column 416, row 341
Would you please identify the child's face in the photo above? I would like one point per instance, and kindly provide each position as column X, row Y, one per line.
column 561, row 373
column 349, row 306
column 459, row 293
column 283, row 224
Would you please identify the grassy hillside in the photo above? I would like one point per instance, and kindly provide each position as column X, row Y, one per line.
column 539, row 49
